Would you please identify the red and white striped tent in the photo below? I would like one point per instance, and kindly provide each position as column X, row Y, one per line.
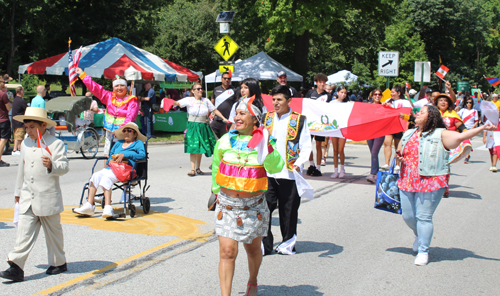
column 115, row 57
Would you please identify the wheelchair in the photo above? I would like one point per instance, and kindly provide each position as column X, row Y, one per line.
column 141, row 180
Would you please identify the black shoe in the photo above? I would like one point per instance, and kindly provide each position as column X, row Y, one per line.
column 57, row 269
column 446, row 196
column 4, row 164
column 316, row 173
column 13, row 273
column 310, row 170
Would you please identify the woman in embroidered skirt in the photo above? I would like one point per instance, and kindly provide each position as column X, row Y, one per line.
column 121, row 108
column 199, row 137
column 239, row 177
column 423, row 152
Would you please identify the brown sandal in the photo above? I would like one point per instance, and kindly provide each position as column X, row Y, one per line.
column 199, row 172
column 192, row 173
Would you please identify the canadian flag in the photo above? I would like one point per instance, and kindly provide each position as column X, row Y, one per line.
column 356, row 121
column 442, row 71
column 41, row 142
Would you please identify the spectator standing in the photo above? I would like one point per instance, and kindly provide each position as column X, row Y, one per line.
column 147, row 104
column 46, row 97
column 88, row 115
column 186, row 93
column 319, row 94
column 353, row 97
column 282, row 80
column 38, row 100
column 224, row 99
column 18, row 108
column 5, row 107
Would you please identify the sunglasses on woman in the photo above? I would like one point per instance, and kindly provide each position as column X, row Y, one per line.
column 377, row 94
column 469, row 103
column 128, row 130
column 198, row 88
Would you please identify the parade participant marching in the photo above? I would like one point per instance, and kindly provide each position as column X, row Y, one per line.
column 294, row 145
column 469, row 116
column 121, row 108
column 239, row 178
column 199, row 138
column 423, row 152
column 39, row 195
column 454, row 123
column 225, row 97
column 339, row 143
column 375, row 144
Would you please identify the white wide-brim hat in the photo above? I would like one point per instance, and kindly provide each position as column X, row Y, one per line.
column 132, row 125
column 35, row 113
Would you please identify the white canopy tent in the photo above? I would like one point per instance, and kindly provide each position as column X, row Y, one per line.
column 342, row 76
column 260, row 66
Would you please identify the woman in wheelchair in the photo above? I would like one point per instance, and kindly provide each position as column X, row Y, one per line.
column 129, row 147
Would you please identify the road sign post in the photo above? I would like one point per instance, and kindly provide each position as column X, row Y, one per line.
column 226, row 47
column 388, row 65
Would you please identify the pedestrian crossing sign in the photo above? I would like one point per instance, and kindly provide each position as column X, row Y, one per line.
column 226, row 47
column 226, row 68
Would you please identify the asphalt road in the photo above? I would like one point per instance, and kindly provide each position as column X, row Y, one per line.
column 345, row 247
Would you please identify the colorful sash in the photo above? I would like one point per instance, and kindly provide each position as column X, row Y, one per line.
column 292, row 141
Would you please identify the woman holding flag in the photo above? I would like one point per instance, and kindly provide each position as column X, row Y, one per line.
column 38, row 195
column 121, row 108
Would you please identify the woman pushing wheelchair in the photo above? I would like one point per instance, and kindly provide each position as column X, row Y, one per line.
column 129, row 148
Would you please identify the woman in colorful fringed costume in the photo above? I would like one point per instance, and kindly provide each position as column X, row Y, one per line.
column 120, row 108
column 453, row 122
column 241, row 161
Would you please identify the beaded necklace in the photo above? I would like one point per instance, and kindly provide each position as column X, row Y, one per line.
column 241, row 165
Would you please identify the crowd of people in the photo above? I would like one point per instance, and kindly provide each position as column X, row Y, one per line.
column 258, row 157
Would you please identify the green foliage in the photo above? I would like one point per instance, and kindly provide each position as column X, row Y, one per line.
column 30, row 82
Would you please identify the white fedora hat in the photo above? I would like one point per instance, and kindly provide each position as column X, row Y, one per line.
column 35, row 113
column 132, row 125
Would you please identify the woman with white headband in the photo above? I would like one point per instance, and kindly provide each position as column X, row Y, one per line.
column 121, row 108
column 241, row 161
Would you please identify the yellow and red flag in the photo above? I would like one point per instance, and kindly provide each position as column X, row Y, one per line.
column 41, row 142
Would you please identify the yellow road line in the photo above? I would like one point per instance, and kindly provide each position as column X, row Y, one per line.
column 116, row 264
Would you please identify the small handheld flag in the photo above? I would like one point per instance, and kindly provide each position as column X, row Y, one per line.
column 442, row 71
column 494, row 81
column 72, row 65
column 230, row 74
column 41, row 142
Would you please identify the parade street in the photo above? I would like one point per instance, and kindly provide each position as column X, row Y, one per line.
column 345, row 246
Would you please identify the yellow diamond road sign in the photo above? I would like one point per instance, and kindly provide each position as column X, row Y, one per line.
column 226, row 68
column 226, row 47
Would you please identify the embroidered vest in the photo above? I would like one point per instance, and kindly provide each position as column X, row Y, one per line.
column 295, row 124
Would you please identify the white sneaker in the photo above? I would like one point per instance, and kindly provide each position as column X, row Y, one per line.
column 107, row 212
column 385, row 167
column 422, row 259
column 334, row 175
column 87, row 209
column 372, row 178
column 323, row 162
column 342, row 173
column 16, row 152
column 494, row 169
column 415, row 244
column 397, row 169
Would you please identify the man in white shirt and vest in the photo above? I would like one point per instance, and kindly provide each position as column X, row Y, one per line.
column 294, row 145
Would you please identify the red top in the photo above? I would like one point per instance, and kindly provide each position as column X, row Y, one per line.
column 450, row 123
column 410, row 180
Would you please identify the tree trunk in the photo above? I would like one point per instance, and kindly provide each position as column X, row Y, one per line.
column 12, row 45
column 300, row 54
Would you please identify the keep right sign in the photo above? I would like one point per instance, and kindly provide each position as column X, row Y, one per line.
column 388, row 63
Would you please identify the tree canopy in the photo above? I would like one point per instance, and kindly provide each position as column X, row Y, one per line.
column 308, row 36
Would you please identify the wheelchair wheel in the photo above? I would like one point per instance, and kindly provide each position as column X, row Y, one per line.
column 131, row 209
column 90, row 143
column 146, row 205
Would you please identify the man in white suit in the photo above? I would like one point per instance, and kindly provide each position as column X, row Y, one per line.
column 39, row 195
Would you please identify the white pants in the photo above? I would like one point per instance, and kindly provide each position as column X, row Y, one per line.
column 104, row 178
column 108, row 142
column 29, row 227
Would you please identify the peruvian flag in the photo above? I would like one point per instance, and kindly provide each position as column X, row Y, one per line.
column 442, row 71
column 356, row 121
column 41, row 142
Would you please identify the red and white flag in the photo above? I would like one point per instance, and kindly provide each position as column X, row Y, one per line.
column 442, row 71
column 41, row 142
column 356, row 121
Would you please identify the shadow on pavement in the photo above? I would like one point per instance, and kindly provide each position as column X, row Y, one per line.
column 285, row 290
column 458, row 186
column 6, row 226
column 79, row 266
column 464, row 194
column 310, row 247
column 438, row 254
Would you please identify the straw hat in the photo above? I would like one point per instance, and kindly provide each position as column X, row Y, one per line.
column 132, row 125
column 35, row 113
column 448, row 98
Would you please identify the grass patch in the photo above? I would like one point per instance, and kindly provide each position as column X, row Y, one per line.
column 166, row 136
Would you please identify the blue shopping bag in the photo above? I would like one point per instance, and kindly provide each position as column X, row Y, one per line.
column 387, row 194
